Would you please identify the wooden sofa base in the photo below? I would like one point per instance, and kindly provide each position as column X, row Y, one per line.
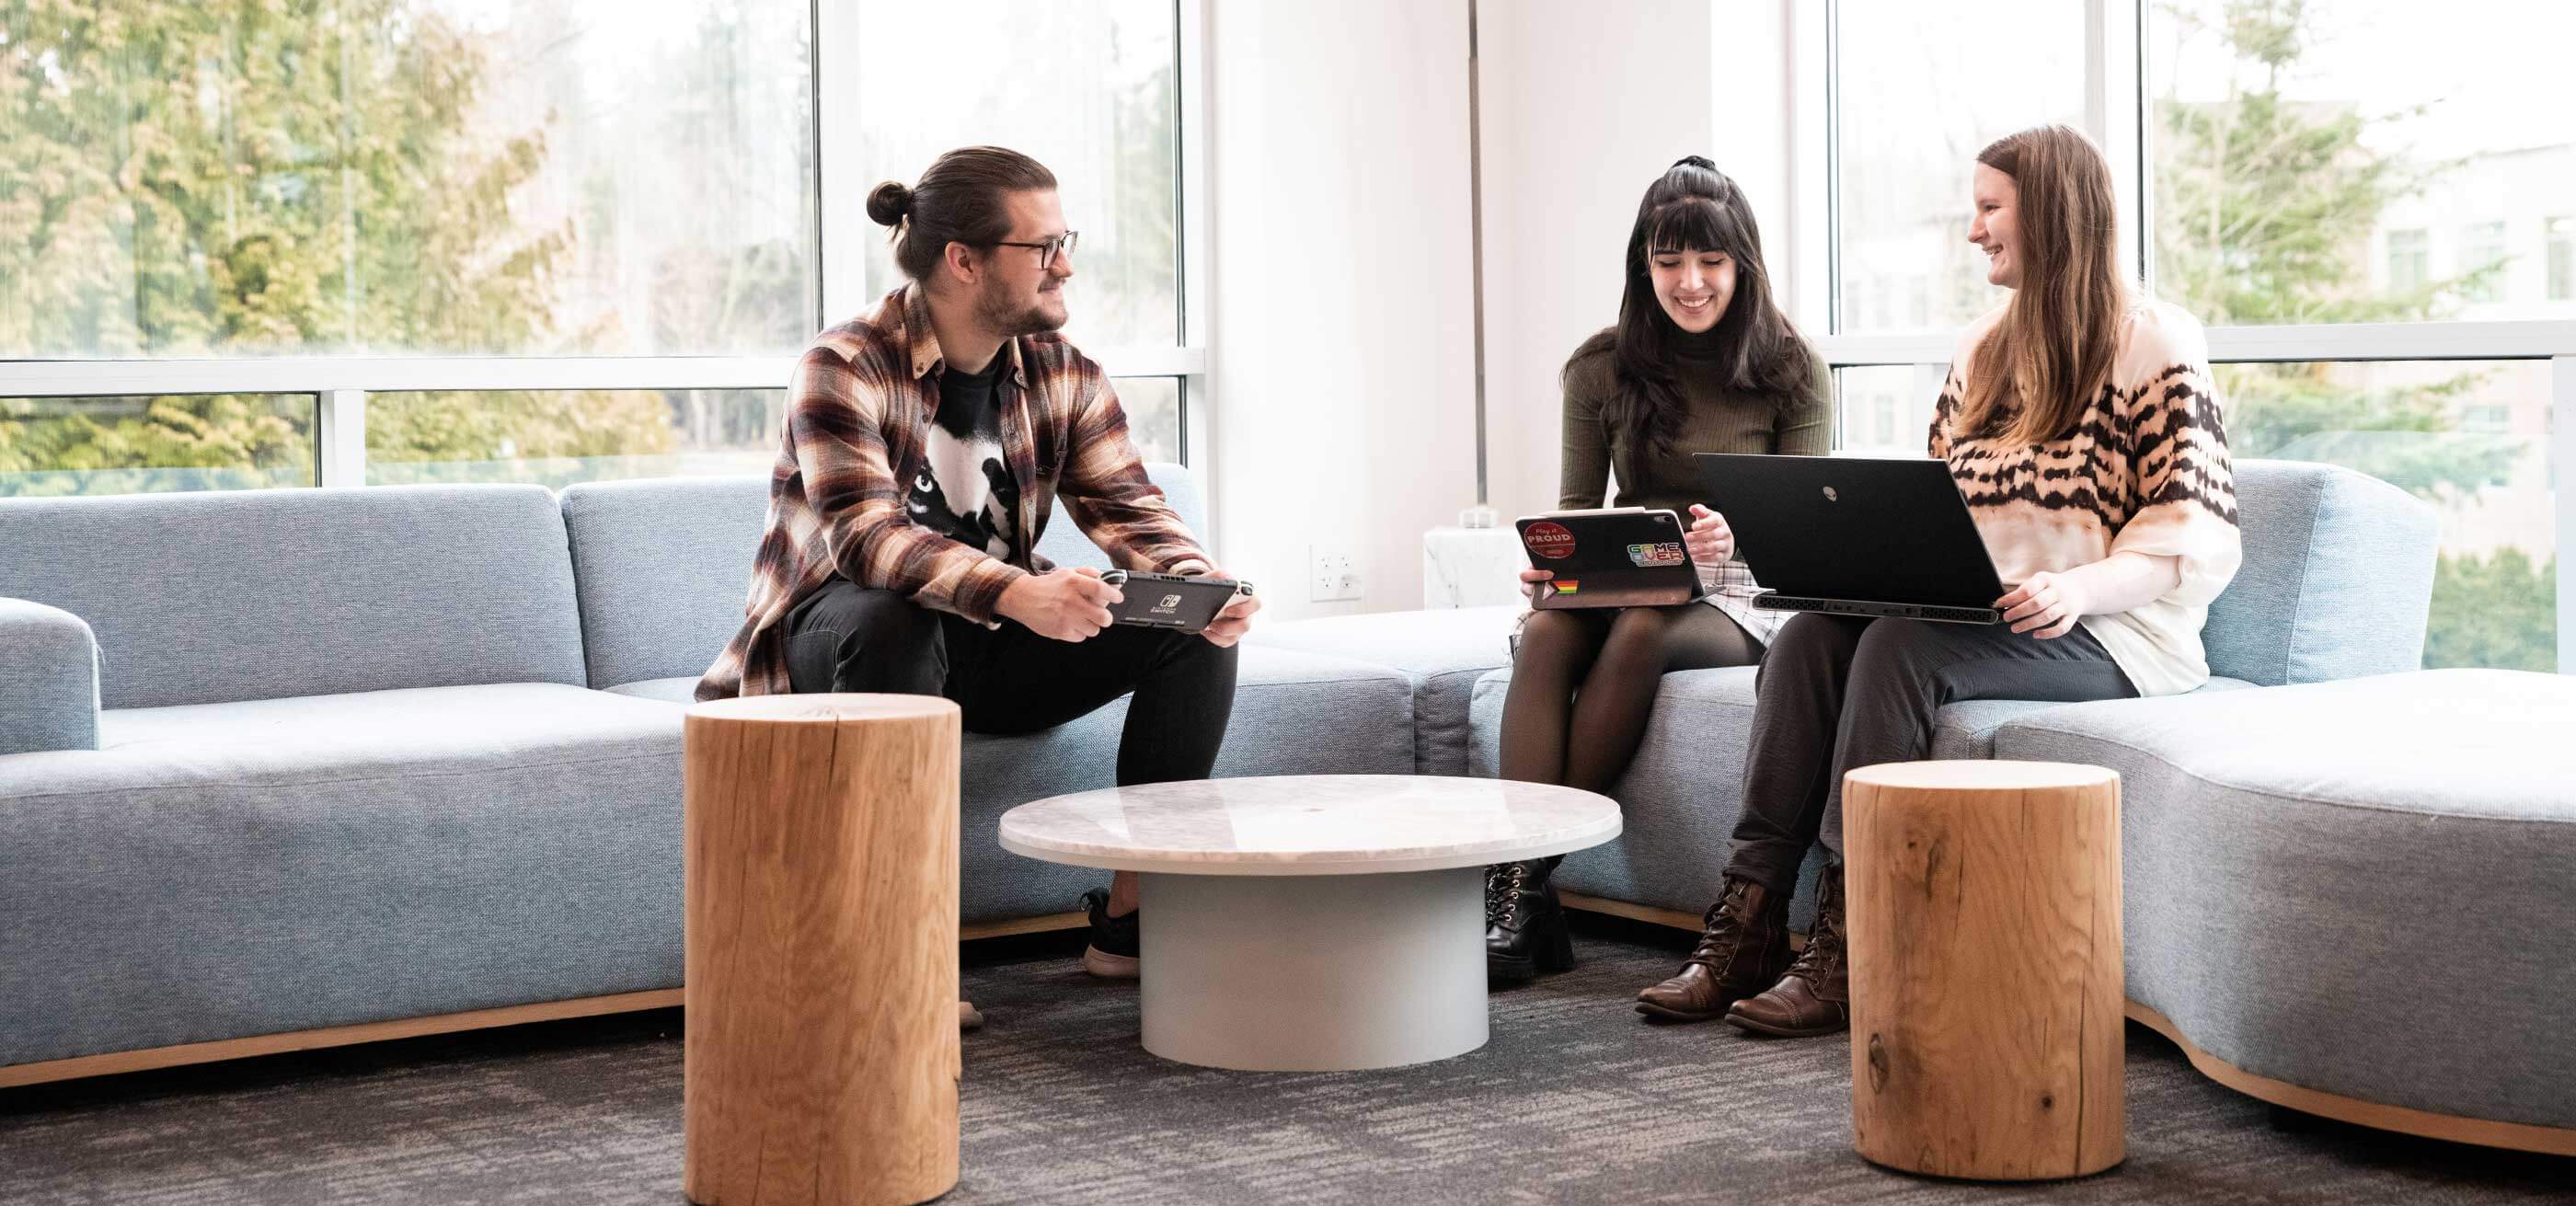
column 2547, row 1140
column 2554, row 1141
column 402, row 1028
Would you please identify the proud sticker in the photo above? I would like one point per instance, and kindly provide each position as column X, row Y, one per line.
column 1550, row 540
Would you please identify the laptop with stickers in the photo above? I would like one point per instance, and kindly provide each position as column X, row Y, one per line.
column 1620, row 557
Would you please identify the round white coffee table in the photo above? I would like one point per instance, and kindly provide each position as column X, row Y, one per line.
column 1316, row 922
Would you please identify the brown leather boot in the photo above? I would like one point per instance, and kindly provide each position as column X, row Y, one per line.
column 1745, row 945
column 1814, row 995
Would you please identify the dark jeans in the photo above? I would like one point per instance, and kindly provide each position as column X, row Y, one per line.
column 1837, row 692
column 1010, row 680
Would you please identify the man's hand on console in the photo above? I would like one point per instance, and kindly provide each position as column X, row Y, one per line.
column 1061, row 604
column 1231, row 623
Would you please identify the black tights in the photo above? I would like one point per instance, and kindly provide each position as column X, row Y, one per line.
column 1584, row 682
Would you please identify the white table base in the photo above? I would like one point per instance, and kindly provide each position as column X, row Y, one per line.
column 1288, row 973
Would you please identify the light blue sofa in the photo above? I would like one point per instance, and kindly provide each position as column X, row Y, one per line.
column 2348, row 882
column 2336, row 581
column 295, row 759
column 284, row 760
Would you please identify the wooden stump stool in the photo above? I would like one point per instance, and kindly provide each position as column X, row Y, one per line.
column 821, row 1049
column 1984, row 916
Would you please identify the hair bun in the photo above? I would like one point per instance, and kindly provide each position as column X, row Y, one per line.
column 1702, row 162
column 889, row 202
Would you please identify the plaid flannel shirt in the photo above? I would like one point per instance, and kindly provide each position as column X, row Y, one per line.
column 858, row 416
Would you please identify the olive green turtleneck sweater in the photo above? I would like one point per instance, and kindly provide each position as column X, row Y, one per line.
column 1717, row 420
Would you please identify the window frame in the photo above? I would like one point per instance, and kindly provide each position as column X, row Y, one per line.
column 2117, row 111
column 342, row 382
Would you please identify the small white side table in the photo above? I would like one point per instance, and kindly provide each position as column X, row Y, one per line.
column 1472, row 567
column 1312, row 923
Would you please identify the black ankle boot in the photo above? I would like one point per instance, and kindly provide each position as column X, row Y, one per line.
column 1525, row 933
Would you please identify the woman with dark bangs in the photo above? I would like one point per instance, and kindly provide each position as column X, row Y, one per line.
column 1702, row 360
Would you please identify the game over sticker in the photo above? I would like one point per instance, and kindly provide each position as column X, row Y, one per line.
column 1667, row 552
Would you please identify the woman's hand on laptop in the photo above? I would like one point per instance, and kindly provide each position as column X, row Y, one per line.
column 2046, row 605
column 1530, row 579
column 1231, row 623
column 1710, row 541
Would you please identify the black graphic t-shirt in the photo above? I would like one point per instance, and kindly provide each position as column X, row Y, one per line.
column 963, row 488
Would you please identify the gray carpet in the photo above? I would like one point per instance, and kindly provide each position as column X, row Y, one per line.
column 1574, row 1100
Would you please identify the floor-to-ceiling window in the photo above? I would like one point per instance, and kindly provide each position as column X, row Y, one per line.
column 359, row 242
column 2377, row 254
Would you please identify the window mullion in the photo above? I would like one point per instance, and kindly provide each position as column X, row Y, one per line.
column 2115, row 116
column 2562, row 456
column 839, row 179
column 340, row 446
column 1810, row 281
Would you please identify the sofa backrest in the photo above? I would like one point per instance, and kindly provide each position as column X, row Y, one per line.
column 2337, row 579
column 260, row 594
column 663, row 565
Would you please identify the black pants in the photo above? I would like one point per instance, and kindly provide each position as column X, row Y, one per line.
column 1837, row 692
column 1010, row 680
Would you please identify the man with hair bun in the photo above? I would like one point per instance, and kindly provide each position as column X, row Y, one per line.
column 925, row 444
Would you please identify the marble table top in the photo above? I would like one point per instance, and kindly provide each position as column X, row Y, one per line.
column 1310, row 825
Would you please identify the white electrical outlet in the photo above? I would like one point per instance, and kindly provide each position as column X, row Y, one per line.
column 1333, row 573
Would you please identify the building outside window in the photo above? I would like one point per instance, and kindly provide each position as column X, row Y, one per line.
column 2482, row 261
column 2561, row 251
column 2410, row 260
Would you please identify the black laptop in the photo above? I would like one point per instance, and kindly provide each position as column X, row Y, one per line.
column 1855, row 536
column 1621, row 557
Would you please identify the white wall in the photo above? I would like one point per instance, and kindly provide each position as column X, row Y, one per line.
column 1341, row 342
column 1342, row 338
column 1583, row 108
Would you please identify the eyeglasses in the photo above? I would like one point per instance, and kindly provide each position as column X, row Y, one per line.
column 1047, row 251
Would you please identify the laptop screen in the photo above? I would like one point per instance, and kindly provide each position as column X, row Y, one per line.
column 1892, row 531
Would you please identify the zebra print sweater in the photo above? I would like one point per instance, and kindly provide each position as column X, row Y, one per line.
column 2146, row 470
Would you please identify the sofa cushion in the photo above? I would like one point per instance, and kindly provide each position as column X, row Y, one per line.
column 1967, row 729
column 1443, row 651
column 221, row 870
column 1294, row 714
column 2337, row 578
column 49, row 663
column 200, row 598
column 663, row 565
column 2304, row 865
column 1685, row 788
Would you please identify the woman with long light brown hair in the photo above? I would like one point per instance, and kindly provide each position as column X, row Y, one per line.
column 2080, row 425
